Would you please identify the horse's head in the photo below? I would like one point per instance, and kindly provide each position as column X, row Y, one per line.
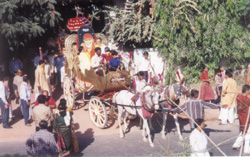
column 152, row 96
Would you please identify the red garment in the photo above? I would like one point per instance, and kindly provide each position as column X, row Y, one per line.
column 107, row 57
column 51, row 102
column 243, row 103
column 204, row 75
column 206, row 92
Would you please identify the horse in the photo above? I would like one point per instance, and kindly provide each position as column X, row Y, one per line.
column 126, row 105
column 170, row 94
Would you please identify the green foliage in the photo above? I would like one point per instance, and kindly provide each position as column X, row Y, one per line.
column 23, row 20
column 200, row 32
column 130, row 27
column 244, row 11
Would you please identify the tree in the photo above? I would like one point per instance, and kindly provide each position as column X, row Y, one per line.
column 131, row 26
column 200, row 32
column 23, row 20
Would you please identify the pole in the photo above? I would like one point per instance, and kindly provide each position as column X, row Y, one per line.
column 198, row 127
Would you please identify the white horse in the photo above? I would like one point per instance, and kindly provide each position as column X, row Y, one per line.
column 171, row 93
column 125, row 105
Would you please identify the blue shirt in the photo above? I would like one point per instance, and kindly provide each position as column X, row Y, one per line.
column 115, row 62
column 58, row 62
column 14, row 65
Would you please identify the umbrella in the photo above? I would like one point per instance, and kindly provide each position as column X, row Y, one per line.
column 75, row 23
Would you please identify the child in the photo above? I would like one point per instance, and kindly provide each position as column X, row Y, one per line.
column 195, row 107
column 115, row 61
column 218, row 84
column 198, row 140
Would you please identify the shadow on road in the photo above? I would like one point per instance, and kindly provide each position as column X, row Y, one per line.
column 85, row 139
column 18, row 116
column 15, row 155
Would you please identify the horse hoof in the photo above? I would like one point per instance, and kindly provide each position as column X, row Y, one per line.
column 181, row 138
column 152, row 145
column 122, row 136
column 163, row 137
column 145, row 139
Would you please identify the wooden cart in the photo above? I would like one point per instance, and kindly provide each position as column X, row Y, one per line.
column 101, row 88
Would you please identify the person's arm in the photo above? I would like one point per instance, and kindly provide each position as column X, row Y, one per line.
column 37, row 79
column 28, row 94
column 28, row 146
column 209, row 105
column 20, row 64
column 178, row 110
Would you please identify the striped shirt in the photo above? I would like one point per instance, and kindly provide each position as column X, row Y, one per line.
column 195, row 109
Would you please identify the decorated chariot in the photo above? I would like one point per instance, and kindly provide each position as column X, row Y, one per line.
column 97, row 91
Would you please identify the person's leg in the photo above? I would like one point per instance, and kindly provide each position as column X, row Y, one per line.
column 247, row 142
column 25, row 111
column 238, row 141
column 10, row 112
column 224, row 115
column 231, row 115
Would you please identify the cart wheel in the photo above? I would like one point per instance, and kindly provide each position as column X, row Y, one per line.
column 69, row 91
column 97, row 112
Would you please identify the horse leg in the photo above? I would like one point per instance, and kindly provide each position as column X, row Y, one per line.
column 163, row 135
column 150, row 124
column 125, row 122
column 145, row 123
column 144, row 132
column 178, row 126
column 140, row 124
column 120, row 113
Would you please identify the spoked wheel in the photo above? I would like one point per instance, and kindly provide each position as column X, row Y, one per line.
column 69, row 91
column 97, row 112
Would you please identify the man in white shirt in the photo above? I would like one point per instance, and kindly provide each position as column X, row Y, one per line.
column 25, row 99
column 97, row 62
column 198, row 140
column 4, row 104
column 144, row 66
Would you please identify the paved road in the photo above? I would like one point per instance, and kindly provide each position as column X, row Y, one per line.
column 107, row 142
column 110, row 144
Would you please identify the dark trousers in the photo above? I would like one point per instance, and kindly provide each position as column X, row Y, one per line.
column 216, row 101
column 145, row 75
column 4, row 113
column 25, row 108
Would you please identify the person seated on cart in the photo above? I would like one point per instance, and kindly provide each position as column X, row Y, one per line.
column 106, row 57
column 115, row 61
column 84, row 60
column 97, row 62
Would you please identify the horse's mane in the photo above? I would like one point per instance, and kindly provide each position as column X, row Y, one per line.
column 146, row 88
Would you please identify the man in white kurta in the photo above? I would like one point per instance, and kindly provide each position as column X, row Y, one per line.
column 198, row 140
column 97, row 62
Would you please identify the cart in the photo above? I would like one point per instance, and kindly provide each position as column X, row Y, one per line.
column 100, row 88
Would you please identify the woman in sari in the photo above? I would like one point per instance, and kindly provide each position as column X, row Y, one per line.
column 206, row 93
column 62, row 127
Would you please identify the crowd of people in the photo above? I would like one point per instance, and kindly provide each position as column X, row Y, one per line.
column 51, row 119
